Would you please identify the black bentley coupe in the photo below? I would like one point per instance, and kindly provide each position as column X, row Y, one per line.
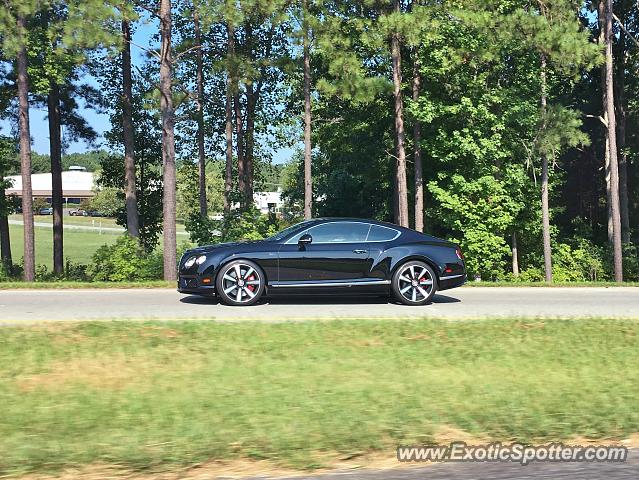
column 326, row 256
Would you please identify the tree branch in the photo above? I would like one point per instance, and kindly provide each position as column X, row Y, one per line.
column 147, row 50
column 600, row 118
column 181, row 54
column 153, row 12
column 624, row 30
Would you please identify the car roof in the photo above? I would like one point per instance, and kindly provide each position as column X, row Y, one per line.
column 355, row 219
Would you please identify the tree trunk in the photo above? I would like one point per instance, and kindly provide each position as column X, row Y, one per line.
column 168, row 142
column 612, row 144
column 239, row 138
column 5, row 240
column 545, row 210
column 252, row 94
column 308, row 179
column 251, row 105
column 417, row 137
column 239, row 122
column 608, row 187
column 228, row 110
column 602, row 40
column 402, row 189
column 55, row 148
column 199, row 60
column 515, row 256
column 228, row 170
column 621, row 134
column 25, row 154
column 128, row 133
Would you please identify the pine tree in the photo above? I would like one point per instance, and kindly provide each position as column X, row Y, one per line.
column 13, row 34
column 308, row 179
column 167, row 114
column 609, row 106
column 128, row 134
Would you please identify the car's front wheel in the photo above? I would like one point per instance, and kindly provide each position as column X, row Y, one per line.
column 414, row 283
column 240, row 282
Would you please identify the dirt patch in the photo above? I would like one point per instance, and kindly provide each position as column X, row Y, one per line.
column 244, row 468
column 110, row 372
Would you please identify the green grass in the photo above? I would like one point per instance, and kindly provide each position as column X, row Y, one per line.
column 62, row 285
column 69, row 220
column 83, row 221
column 79, row 246
column 555, row 284
column 159, row 395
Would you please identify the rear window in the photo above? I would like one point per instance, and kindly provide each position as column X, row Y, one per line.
column 381, row 234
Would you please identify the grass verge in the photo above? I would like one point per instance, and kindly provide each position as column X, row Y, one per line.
column 551, row 285
column 162, row 395
column 63, row 285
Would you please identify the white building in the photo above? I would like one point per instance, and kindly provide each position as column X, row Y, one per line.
column 77, row 185
column 268, row 201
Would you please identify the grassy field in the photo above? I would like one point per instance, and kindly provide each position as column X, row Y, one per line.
column 83, row 221
column 79, row 246
column 162, row 395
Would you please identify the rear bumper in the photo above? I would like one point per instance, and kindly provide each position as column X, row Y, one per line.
column 451, row 281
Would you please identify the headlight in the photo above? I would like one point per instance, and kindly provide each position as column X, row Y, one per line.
column 201, row 259
column 189, row 263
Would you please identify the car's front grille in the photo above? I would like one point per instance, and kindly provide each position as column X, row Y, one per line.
column 186, row 282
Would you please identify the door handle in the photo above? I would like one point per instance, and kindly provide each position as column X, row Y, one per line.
column 360, row 252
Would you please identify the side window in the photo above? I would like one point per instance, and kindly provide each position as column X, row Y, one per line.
column 381, row 234
column 338, row 232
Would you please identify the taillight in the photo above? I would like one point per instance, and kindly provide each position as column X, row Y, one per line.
column 459, row 253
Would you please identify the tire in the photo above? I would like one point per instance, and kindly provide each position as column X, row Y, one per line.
column 248, row 290
column 414, row 283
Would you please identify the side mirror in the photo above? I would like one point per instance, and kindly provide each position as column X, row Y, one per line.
column 304, row 240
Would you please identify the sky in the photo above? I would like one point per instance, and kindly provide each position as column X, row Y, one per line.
column 100, row 122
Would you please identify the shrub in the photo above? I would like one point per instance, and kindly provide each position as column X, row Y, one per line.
column 39, row 204
column 631, row 262
column 125, row 261
column 249, row 224
column 580, row 262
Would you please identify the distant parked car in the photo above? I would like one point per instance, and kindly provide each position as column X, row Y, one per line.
column 95, row 213
column 79, row 213
column 46, row 211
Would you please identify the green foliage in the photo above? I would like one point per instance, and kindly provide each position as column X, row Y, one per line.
column 248, row 224
column 188, row 189
column 41, row 163
column 39, row 203
column 107, row 201
column 125, row 261
column 479, row 213
column 202, row 231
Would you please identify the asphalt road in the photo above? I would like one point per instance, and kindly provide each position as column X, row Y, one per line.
column 498, row 471
column 462, row 303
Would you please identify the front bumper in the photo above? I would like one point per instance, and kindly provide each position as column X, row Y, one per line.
column 191, row 284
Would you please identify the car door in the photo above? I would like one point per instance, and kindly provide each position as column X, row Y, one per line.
column 338, row 252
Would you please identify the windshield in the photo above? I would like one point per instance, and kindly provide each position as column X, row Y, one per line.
column 292, row 229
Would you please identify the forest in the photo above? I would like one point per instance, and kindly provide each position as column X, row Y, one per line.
column 507, row 126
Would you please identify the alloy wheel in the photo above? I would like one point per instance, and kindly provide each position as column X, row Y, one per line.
column 241, row 283
column 415, row 283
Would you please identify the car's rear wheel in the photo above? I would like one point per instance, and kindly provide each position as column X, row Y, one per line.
column 414, row 283
column 240, row 283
